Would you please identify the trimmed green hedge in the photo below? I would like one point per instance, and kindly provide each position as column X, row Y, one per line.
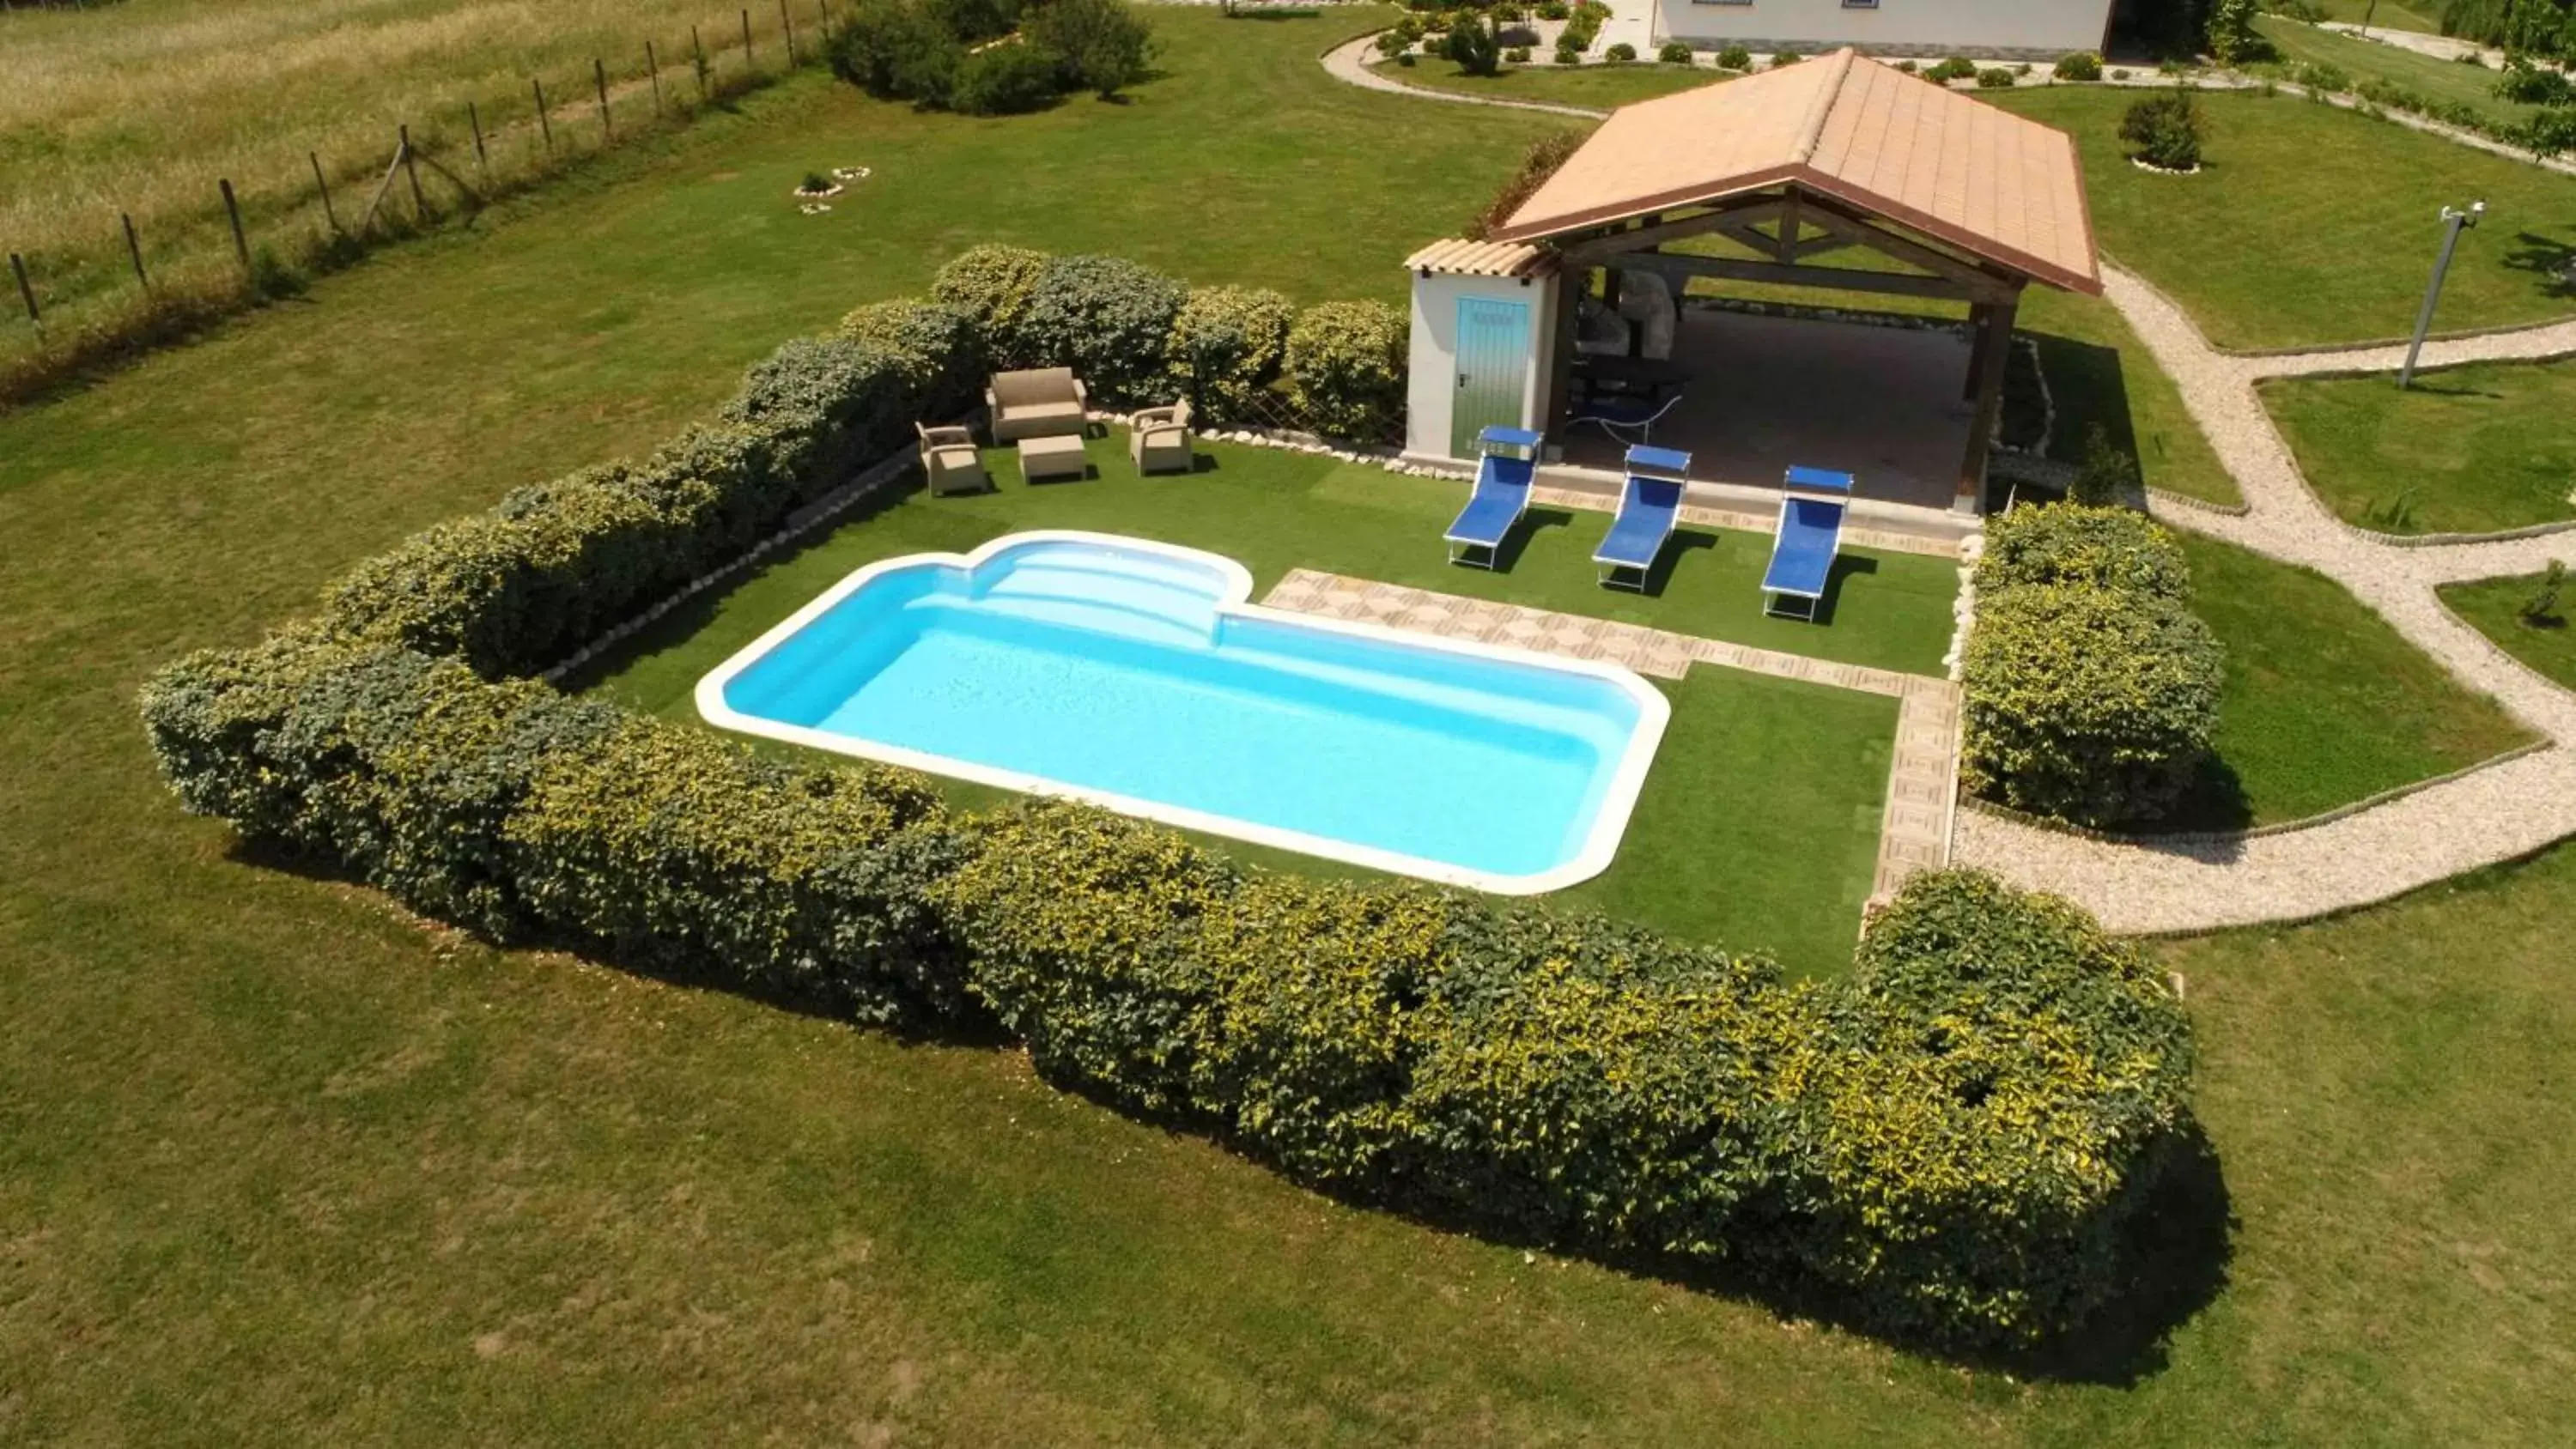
column 2088, row 704
column 2069, row 543
column 1108, row 319
column 1951, row 1141
column 1346, row 367
column 1227, row 346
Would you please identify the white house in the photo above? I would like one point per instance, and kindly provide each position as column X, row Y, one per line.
column 2013, row 29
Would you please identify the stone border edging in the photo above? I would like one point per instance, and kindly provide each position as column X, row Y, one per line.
column 2175, row 838
column 2185, row 500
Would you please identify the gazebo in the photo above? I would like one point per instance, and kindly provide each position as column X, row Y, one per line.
column 1839, row 174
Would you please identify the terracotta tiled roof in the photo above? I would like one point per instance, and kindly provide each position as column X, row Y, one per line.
column 1940, row 163
column 1482, row 259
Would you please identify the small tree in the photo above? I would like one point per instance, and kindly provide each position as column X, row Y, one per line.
column 2551, row 131
column 2166, row 130
column 2540, row 611
column 1104, row 46
column 2107, row 475
column 2233, row 40
column 1476, row 47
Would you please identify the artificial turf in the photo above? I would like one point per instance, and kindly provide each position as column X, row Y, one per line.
column 1759, row 825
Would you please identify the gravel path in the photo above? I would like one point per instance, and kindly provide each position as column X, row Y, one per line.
column 2485, row 816
column 1349, row 62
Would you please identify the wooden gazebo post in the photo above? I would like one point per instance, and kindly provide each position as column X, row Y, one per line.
column 1989, row 356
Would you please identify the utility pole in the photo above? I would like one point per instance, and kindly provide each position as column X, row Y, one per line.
column 2454, row 221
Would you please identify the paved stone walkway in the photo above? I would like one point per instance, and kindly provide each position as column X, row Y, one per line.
column 2486, row 816
column 1922, row 778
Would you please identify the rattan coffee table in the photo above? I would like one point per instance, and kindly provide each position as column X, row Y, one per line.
column 1056, row 457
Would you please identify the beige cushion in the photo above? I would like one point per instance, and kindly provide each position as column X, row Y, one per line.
column 1036, row 385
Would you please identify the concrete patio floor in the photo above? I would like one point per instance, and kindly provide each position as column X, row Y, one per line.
column 1880, row 403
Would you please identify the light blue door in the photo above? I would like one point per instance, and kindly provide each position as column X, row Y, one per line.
column 1493, row 369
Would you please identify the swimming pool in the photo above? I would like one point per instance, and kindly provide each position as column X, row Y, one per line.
column 1135, row 675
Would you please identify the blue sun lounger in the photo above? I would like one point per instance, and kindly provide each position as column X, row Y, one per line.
column 1503, row 481
column 1802, row 554
column 1649, row 508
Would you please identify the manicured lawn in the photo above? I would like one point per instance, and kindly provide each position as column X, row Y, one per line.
column 2467, row 449
column 2494, row 607
column 1605, row 86
column 2099, row 372
column 1759, row 828
column 2312, row 225
column 2422, row 16
column 2447, row 81
column 2325, row 704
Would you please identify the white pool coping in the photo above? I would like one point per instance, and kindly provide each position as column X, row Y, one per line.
column 1600, row 846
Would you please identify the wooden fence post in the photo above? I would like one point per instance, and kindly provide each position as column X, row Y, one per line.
column 787, row 27
column 747, row 61
column 545, row 126
column 27, row 292
column 419, row 203
column 134, row 249
column 232, row 211
column 482, row 163
column 599, row 76
column 699, row 49
column 653, row 68
column 323, row 185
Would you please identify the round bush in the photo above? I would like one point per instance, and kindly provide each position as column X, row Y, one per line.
column 1108, row 319
column 1346, row 367
column 1735, row 57
column 2069, row 543
column 2091, row 705
column 1673, row 52
column 1623, row 51
column 1568, row 55
column 992, row 285
column 895, row 50
column 1995, row 79
column 1006, row 80
column 2166, row 130
column 1517, row 55
column 2083, row 65
column 1227, row 344
column 933, row 346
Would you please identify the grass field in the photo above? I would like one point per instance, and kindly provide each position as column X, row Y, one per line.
column 278, row 1164
column 2472, row 449
column 1605, row 86
column 2421, row 16
column 138, row 107
column 1774, row 788
column 2324, row 704
column 2363, row 60
column 2494, row 607
column 2346, row 205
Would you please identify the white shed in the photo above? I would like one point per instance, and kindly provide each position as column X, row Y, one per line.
column 1482, row 325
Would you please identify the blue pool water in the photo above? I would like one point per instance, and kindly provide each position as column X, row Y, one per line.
column 1129, row 673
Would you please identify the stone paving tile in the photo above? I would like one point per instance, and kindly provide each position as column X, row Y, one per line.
column 1923, row 772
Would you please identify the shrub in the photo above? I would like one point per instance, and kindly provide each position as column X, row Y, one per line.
column 1995, row 79
column 2321, row 77
column 894, row 50
column 1108, row 319
column 1554, row 9
column 1007, row 79
column 1517, row 55
column 2165, row 129
column 1784, row 58
column 2106, row 474
column 1735, row 57
column 1391, row 41
column 1345, row 366
column 1906, row 67
column 1673, row 52
column 933, row 345
column 2083, row 65
column 1623, row 51
column 2233, row 40
column 1568, row 55
column 1104, row 46
column 993, row 285
column 1955, row 68
column 974, row 20
column 1474, row 46
column 2540, row 611
column 2110, row 548
column 1227, row 344
column 1538, row 163
column 2088, row 704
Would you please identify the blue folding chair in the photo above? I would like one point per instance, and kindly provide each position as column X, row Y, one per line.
column 1650, row 507
column 1810, row 533
column 1504, row 476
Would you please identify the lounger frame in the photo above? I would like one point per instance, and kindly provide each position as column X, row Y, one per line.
column 1812, row 485
column 1645, row 465
column 1495, row 445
